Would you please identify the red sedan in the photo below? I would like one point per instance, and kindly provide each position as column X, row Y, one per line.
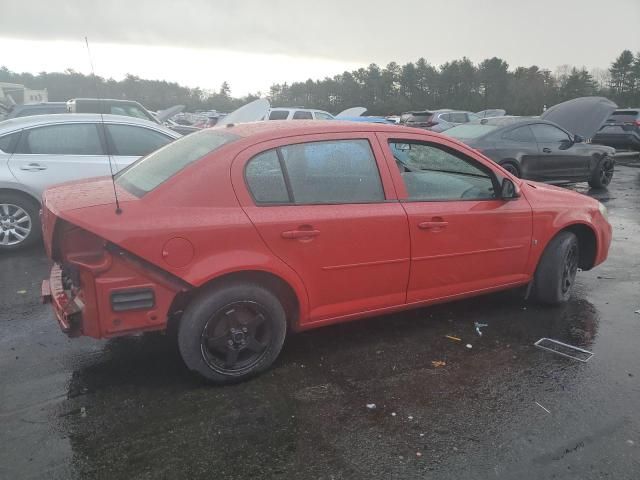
column 235, row 235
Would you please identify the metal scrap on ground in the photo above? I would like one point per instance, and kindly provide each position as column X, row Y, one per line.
column 564, row 349
column 479, row 326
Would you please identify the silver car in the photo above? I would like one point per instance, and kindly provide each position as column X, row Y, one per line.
column 40, row 151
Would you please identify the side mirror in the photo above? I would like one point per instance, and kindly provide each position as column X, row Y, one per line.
column 578, row 139
column 509, row 190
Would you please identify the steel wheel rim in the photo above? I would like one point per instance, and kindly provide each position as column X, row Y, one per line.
column 15, row 224
column 236, row 338
column 606, row 172
column 569, row 268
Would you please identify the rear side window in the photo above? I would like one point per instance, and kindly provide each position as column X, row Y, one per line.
column 520, row 134
column 323, row 116
column 8, row 142
column 331, row 172
column 147, row 173
column 68, row 139
column 458, row 117
column 127, row 140
column 278, row 115
column 302, row 115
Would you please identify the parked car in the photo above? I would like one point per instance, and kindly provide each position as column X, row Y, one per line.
column 236, row 235
column 40, row 151
column 297, row 114
column 45, row 108
column 494, row 112
column 621, row 130
column 437, row 120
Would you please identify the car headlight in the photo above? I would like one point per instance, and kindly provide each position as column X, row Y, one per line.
column 603, row 211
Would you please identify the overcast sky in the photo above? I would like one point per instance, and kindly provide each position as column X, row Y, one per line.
column 255, row 43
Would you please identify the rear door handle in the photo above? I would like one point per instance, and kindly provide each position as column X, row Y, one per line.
column 546, row 150
column 33, row 167
column 433, row 225
column 297, row 234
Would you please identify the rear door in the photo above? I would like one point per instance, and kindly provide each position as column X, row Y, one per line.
column 325, row 205
column 463, row 237
column 51, row 154
column 559, row 159
column 127, row 143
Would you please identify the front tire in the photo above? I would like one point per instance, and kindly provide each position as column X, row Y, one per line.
column 512, row 168
column 556, row 272
column 230, row 333
column 602, row 174
column 19, row 221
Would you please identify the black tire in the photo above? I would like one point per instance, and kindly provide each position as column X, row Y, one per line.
column 511, row 167
column 556, row 272
column 602, row 174
column 18, row 212
column 230, row 333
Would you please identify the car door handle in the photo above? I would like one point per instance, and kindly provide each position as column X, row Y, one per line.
column 546, row 150
column 296, row 234
column 33, row 167
column 434, row 225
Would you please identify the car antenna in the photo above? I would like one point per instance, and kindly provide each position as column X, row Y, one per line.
column 104, row 130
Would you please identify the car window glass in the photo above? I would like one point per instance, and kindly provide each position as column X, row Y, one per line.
column 472, row 117
column 432, row 173
column 69, row 139
column 7, row 144
column 446, row 117
column 340, row 171
column 323, row 116
column 549, row 133
column 520, row 134
column 265, row 179
column 128, row 140
column 278, row 115
column 302, row 115
column 458, row 117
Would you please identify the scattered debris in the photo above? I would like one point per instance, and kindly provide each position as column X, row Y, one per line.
column 83, row 412
column 418, row 454
column 468, row 345
column 564, row 349
column 393, row 414
column 630, row 442
column 422, row 434
column 371, row 406
column 637, row 311
column 479, row 326
column 451, row 337
column 22, row 292
column 604, row 277
column 410, row 417
column 543, row 408
column 438, row 363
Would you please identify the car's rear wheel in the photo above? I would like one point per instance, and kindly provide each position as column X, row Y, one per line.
column 602, row 174
column 556, row 272
column 19, row 221
column 512, row 168
column 230, row 333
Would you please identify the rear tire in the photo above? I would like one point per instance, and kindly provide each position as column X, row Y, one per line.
column 556, row 272
column 230, row 333
column 602, row 174
column 19, row 221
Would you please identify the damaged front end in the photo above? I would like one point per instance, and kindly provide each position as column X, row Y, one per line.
column 99, row 290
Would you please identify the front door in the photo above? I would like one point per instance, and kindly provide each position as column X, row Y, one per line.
column 323, row 205
column 559, row 157
column 463, row 237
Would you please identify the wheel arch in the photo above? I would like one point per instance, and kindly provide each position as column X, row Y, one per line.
column 513, row 162
column 587, row 243
column 23, row 193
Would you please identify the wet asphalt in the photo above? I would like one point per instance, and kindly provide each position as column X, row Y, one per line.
column 128, row 408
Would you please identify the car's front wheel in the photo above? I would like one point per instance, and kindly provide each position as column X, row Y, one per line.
column 19, row 221
column 556, row 272
column 233, row 332
column 602, row 174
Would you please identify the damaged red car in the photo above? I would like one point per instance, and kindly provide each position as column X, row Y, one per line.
column 234, row 236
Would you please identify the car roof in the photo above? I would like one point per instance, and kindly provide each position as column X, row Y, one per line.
column 290, row 109
column 38, row 120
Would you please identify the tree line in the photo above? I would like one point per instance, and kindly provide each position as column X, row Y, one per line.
column 458, row 84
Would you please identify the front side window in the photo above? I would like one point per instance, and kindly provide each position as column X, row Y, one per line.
column 323, row 116
column 302, row 115
column 433, row 173
column 549, row 134
column 327, row 172
column 68, row 139
column 7, row 142
column 147, row 173
column 127, row 140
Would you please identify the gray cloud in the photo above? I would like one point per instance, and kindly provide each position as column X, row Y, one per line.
column 545, row 32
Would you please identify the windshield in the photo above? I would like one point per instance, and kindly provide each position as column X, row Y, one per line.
column 470, row 131
column 147, row 173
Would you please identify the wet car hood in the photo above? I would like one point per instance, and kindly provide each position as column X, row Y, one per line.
column 581, row 116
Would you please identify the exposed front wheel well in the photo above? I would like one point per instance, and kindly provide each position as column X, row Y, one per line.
column 276, row 285
column 587, row 245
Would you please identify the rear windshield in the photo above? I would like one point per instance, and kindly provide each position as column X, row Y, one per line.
column 470, row 131
column 623, row 116
column 419, row 118
column 147, row 173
